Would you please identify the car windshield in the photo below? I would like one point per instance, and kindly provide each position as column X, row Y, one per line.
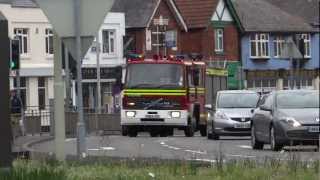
column 238, row 100
column 154, row 76
column 296, row 100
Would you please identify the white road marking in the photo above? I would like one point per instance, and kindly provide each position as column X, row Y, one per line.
column 70, row 139
column 245, row 147
column 94, row 149
column 108, row 148
column 162, row 143
column 174, row 148
column 177, row 148
column 196, row 152
column 103, row 149
column 203, row 160
column 239, row 155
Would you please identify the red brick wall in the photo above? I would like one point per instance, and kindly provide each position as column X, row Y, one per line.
column 202, row 41
column 138, row 36
column 165, row 11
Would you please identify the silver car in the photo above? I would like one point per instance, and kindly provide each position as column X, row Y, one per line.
column 232, row 113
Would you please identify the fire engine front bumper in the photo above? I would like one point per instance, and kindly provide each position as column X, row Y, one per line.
column 154, row 117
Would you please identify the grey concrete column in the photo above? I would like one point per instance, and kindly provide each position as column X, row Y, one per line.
column 316, row 83
column 59, row 115
column 279, row 84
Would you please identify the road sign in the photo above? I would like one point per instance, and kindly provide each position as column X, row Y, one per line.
column 61, row 15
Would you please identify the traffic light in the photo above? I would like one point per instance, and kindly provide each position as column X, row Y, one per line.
column 15, row 55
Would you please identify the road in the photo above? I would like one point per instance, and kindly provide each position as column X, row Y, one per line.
column 177, row 147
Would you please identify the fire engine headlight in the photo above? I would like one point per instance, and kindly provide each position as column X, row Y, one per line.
column 175, row 114
column 130, row 113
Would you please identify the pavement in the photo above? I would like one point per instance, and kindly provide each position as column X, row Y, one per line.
column 23, row 143
column 177, row 147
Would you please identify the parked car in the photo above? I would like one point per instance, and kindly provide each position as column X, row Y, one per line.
column 287, row 117
column 232, row 113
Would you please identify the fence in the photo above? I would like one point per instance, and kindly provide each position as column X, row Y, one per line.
column 40, row 122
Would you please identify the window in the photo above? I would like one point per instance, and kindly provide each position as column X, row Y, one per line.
column 259, row 45
column 219, row 40
column 23, row 89
column 49, row 42
column 307, row 44
column 278, row 44
column 108, row 40
column 42, row 92
column 171, row 39
column 22, row 35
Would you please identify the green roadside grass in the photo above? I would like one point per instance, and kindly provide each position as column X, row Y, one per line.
column 137, row 170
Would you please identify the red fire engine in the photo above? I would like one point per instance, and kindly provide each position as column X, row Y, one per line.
column 162, row 94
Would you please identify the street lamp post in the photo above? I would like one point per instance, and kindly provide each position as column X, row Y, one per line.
column 81, row 131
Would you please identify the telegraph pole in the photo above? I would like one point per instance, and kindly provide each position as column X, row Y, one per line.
column 98, row 71
column 59, row 116
column 81, row 131
column 67, row 80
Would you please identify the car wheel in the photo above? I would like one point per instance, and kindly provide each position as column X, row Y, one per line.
column 164, row 133
column 215, row 136
column 203, row 130
column 275, row 145
column 254, row 142
column 124, row 131
column 154, row 133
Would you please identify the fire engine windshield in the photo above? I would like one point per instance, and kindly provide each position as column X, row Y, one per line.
column 154, row 76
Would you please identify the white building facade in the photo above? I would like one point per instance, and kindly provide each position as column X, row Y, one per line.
column 34, row 31
column 28, row 23
column 112, row 62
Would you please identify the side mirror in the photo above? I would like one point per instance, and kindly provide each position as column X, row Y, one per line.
column 265, row 108
column 208, row 107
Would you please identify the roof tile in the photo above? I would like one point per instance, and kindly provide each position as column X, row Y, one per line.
column 197, row 13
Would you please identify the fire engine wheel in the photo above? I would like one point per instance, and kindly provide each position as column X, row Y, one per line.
column 203, row 130
column 132, row 132
column 189, row 130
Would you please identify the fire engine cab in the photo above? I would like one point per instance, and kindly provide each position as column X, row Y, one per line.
column 163, row 94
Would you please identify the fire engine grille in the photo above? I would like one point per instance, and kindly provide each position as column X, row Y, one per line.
column 155, row 104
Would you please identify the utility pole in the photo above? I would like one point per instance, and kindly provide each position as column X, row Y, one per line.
column 59, row 116
column 67, row 80
column 81, row 131
column 290, row 45
column 98, row 71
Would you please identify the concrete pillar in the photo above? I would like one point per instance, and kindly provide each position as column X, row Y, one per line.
column 316, row 83
column 245, row 84
column 279, row 85
column 50, row 88
column 33, row 92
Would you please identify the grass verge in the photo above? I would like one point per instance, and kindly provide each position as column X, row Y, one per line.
column 270, row 169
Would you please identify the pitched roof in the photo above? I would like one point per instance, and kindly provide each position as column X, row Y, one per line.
column 306, row 9
column 262, row 16
column 137, row 12
column 197, row 13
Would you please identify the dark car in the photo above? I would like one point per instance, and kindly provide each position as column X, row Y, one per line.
column 289, row 117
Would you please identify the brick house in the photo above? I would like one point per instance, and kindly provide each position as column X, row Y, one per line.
column 152, row 27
